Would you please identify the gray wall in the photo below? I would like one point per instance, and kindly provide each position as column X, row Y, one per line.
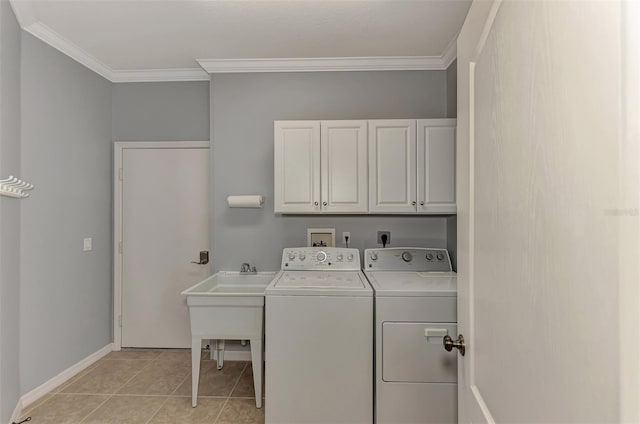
column 9, row 211
column 243, row 108
column 161, row 111
column 65, row 297
column 452, row 90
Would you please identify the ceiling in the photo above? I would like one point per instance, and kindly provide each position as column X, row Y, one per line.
column 136, row 40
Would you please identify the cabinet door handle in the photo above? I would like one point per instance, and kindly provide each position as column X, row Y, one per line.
column 324, row 203
column 316, row 203
column 422, row 203
column 413, row 203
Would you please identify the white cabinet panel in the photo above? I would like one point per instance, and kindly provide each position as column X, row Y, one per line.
column 392, row 166
column 344, row 166
column 436, row 166
column 297, row 166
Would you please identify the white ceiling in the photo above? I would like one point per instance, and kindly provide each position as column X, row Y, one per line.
column 134, row 39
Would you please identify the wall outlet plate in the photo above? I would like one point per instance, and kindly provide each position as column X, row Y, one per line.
column 387, row 233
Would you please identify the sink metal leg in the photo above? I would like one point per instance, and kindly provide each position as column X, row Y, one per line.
column 220, row 351
column 256, row 362
column 212, row 351
column 196, row 351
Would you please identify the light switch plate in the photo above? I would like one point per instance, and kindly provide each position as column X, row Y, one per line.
column 88, row 244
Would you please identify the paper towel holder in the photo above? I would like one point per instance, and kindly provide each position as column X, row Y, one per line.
column 246, row 201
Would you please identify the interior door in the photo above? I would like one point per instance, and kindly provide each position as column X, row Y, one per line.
column 539, row 212
column 165, row 224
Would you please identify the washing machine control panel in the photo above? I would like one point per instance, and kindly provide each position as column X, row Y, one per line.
column 320, row 258
column 407, row 259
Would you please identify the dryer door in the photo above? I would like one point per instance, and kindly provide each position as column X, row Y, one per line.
column 410, row 356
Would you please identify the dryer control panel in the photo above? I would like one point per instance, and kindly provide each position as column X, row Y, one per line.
column 320, row 258
column 420, row 259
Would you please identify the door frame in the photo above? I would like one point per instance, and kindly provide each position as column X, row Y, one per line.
column 118, row 151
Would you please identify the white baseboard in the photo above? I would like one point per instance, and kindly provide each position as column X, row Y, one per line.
column 35, row 394
column 17, row 413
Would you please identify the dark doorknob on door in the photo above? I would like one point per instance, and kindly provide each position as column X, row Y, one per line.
column 204, row 258
column 449, row 344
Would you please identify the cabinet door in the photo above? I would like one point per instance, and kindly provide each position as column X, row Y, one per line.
column 343, row 163
column 437, row 166
column 392, row 166
column 296, row 166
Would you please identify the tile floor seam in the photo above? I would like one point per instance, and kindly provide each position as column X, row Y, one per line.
column 180, row 384
column 96, row 408
column 132, row 377
column 158, row 410
column 229, row 397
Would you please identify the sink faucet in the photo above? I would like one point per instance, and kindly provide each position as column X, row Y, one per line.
column 245, row 268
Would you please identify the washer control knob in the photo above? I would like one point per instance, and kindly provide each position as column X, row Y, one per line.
column 440, row 256
column 374, row 256
column 292, row 256
column 302, row 256
column 321, row 256
column 406, row 256
column 350, row 257
column 429, row 256
column 339, row 257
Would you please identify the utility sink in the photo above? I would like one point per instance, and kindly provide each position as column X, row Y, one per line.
column 227, row 284
column 228, row 306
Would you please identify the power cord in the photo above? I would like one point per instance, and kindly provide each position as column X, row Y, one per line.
column 346, row 241
column 384, row 240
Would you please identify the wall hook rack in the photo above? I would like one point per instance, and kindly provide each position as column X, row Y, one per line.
column 14, row 187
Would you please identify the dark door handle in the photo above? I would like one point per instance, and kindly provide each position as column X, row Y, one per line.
column 204, row 258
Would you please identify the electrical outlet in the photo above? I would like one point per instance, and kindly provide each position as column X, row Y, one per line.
column 87, row 244
column 346, row 235
column 382, row 233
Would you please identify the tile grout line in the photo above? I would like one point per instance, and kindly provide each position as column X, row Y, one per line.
column 158, row 410
column 96, row 408
column 226, row 401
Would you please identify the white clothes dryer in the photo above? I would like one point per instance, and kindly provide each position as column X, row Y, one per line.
column 319, row 339
column 415, row 307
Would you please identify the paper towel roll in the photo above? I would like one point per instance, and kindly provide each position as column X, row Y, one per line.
column 253, row 201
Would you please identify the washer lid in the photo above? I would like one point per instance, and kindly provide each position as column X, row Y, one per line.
column 319, row 283
column 392, row 283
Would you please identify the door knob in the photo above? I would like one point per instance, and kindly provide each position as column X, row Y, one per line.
column 449, row 344
column 324, row 203
column 413, row 203
column 204, row 258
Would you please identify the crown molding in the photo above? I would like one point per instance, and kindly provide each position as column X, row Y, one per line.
column 29, row 23
column 450, row 53
column 55, row 40
column 159, row 75
column 324, row 64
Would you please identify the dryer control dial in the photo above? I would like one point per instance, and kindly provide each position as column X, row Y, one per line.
column 292, row 256
column 407, row 257
column 321, row 256
column 302, row 256
column 350, row 257
column 339, row 257
column 440, row 256
column 374, row 256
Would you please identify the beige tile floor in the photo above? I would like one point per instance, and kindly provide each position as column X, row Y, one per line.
column 151, row 386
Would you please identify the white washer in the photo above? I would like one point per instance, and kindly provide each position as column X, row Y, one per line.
column 415, row 307
column 319, row 339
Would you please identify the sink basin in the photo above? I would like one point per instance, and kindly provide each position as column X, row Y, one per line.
column 231, row 284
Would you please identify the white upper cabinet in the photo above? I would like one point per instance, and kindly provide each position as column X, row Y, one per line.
column 412, row 166
column 297, row 166
column 436, row 166
column 320, row 166
column 343, row 164
column 392, row 166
